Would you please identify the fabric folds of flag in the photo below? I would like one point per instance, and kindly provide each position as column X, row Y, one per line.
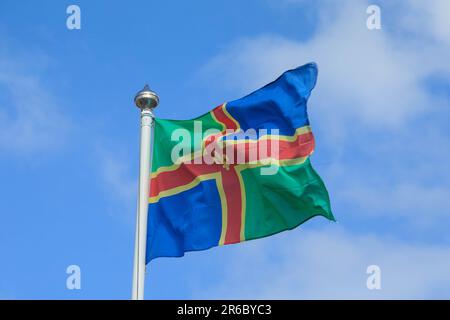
column 239, row 172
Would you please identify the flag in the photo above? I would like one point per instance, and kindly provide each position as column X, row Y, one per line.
column 239, row 172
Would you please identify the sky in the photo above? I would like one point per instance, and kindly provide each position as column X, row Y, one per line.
column 69, row 143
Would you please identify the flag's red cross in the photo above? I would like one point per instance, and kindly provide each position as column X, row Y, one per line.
column 178, row 178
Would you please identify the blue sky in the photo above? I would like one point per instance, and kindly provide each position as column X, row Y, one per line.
column 69, row 143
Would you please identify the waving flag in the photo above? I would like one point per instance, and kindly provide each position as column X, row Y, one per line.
column 239, row 172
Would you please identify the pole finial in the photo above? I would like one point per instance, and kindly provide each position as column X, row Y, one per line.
column 146, row 99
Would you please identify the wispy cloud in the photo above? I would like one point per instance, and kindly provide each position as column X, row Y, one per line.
column 365, row 76
column 383, row 142
column 30, row 118
column 379, row 124
column 332, row 264
column 117, row 181
column 426, row 20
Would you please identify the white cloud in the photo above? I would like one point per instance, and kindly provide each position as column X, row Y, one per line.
column 30, row 119
column 386, row 145
column 379, row 121
column 427, row 19
column 365, row 76
column 421, row 206
column 402, row 177
column 332, row 264
column 117, row 181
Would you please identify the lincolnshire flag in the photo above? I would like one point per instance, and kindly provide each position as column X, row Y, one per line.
column 239, row 172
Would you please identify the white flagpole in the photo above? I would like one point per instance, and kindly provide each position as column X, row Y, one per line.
column 146, row 100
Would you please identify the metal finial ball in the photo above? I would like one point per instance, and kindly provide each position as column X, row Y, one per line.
column 146, row 98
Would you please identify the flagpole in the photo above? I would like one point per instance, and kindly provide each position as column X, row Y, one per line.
column 146, row 100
